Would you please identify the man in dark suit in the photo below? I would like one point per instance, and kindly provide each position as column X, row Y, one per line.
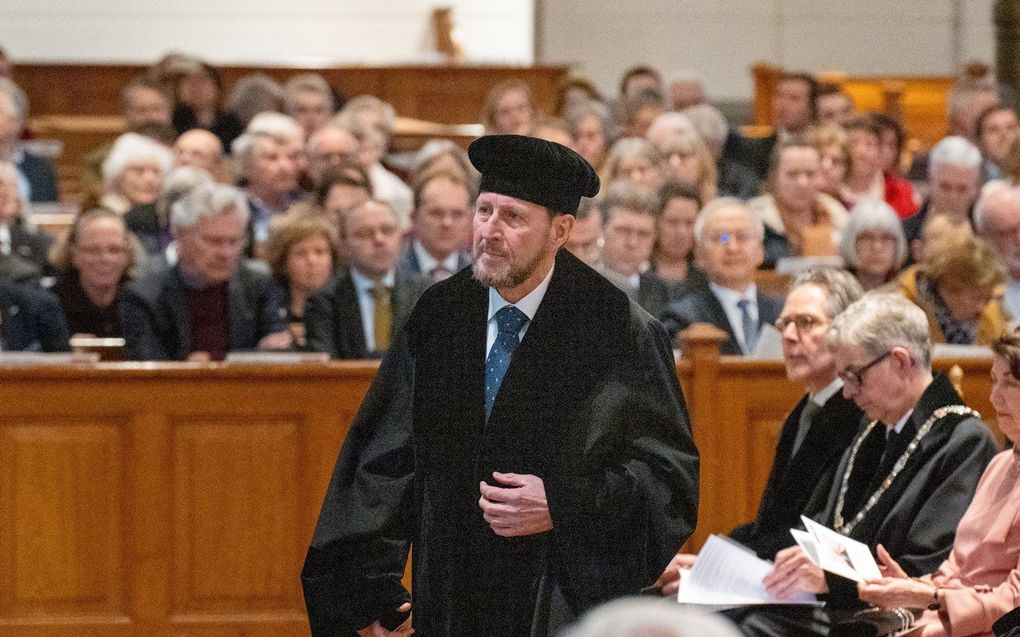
column 816, row 432
column 36, row 176
column 551, row 465
column 629, row 218
column 793, row 111
column 17, row 241
column 31, row 320
column 729, row 250
column 359, row 313
column 209, row 303
column 440, row 221
column 912, row 467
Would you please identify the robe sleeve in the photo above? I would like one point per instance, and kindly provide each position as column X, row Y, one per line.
column 352, row 572
column 620, row 516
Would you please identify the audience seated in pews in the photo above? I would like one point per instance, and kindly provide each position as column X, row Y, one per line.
column 629, row 220
column 209, row 302
column 873, row 247
column 94, row 260
column 865, row 177
column 815, row 434
column 133, row 172
column 509, row 109
column 37, row 179
column 439, row 225
column 954, row 182
column 979, row 581
column 303, row 252
column 957, row 285
column 799, row 219
column 997, row 219
column 21, row 245
column 728, row 248
column 31, row 320
column 363, row 308
column 672, row 257
column 910, row 473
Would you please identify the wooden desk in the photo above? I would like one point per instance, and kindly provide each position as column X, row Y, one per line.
column 179, row 499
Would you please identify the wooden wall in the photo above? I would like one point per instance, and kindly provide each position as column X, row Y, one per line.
column 178, row 499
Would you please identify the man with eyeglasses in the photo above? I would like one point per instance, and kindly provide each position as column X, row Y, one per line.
column 817, row 431
column 911, row 469
column 997, row 219
column 728, row 248
column 628, row 215
column 439, row 221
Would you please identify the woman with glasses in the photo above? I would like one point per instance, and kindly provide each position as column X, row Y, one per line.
column 873, row 246
column 980, row 580
column 94, row 260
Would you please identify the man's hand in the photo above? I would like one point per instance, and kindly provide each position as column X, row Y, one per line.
column 275, row 341
column 518, row 509
column 403, row 630
column 794, row 573
column 669, row 582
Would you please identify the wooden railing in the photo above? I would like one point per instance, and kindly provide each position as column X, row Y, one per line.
column 159, row 499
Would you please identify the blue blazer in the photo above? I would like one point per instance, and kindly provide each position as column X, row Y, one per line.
column 32, row 320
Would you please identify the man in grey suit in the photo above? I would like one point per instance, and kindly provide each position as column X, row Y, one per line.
column 728, row 248
column 360, row 311
column 628, row 214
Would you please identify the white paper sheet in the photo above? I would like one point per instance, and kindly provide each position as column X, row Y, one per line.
column 839, row 554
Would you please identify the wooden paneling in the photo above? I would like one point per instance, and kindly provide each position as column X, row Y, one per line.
column 179, row 499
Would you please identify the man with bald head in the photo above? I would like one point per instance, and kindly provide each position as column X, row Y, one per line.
column 997, row 218
column 329, row 146
column 201, row 149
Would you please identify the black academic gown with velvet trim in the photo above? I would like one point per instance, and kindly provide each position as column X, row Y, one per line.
column 799, row 485
column 916, row 518
column 590, row 403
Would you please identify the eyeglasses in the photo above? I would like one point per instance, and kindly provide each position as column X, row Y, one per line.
column 854, row 378
column 803, row 322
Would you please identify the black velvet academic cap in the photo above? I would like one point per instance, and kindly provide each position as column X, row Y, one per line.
column 544, row 173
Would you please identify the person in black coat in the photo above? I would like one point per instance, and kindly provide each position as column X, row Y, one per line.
column 31, row 320
column 582, row 419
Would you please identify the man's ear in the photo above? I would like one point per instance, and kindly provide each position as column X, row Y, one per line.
column 561, row 227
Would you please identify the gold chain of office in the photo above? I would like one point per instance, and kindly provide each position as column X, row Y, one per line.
column 847, row 527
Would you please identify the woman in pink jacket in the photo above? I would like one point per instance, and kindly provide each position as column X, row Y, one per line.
column 980, row 582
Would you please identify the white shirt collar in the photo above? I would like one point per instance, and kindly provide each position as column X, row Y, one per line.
column 730, row 297
column 529, row 304
column 823, row 395
column 898, row 427
column 427, row 263
column 363, row 283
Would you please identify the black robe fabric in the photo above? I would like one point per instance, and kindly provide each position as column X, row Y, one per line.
column 590, row 403
column 799, row 485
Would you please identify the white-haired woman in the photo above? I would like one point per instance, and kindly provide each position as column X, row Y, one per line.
column 19, row 240
column 873, row 246
column 636, row 160
column 133, row 172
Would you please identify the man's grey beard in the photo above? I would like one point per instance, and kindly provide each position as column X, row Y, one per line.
column 509, row 276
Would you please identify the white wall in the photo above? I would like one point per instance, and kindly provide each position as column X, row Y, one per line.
column 281, row 32
column 721, row 39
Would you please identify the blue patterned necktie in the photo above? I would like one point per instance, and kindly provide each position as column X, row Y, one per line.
column 750, row 329
column 509, row 321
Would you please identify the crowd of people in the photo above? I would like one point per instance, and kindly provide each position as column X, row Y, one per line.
column 331, row 244
column 275, row 220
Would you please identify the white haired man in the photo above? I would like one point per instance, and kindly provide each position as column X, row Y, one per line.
column 997, row 220
column 209, row 303
column 954, row 182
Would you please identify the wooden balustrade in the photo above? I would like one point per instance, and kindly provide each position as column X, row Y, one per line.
column 178, row 499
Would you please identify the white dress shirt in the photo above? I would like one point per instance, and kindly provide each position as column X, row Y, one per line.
column 529, row 305
column 728, row 299
column 427, row 263
column 363, row 286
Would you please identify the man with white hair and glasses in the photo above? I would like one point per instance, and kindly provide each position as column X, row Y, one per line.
column 912, row 468
column 997, row 220
column 954, row 182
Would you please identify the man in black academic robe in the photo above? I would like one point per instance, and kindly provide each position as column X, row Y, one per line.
column 589, row 409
